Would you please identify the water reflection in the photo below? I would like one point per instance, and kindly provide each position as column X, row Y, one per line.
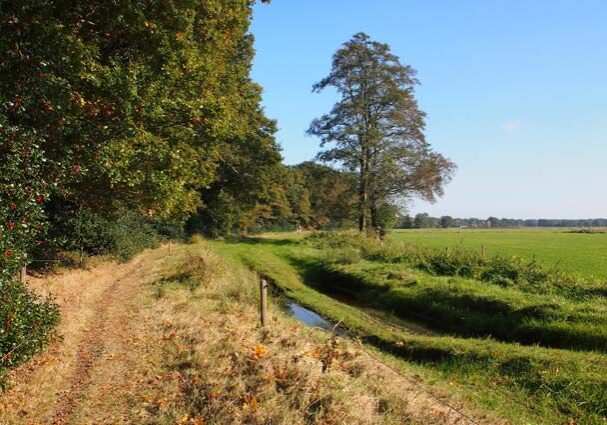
column 309, row 317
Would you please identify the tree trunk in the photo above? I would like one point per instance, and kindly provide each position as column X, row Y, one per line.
column 362, row 207
column 373, row 214
column 363, row 194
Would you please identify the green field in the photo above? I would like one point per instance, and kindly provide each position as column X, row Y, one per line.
column 519, row 339
column 575, row 252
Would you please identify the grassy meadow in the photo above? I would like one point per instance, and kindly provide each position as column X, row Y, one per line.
column 518, row 337
column 584, row 253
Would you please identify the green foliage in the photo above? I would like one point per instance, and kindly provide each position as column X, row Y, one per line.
column 258, row 194
column 123, row 236
column 330, row 192
column 26, row 321
column 23, row 189
column 385, row 218
column 142, row 96
column 26, row 324
column 120, row 235
column 149, row 104
column 423, row 220
column 376, row 130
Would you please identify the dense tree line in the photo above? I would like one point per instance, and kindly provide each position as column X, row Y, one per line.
column 148, row 107
column 118, row 122
column 423, row 221
column 126, row 122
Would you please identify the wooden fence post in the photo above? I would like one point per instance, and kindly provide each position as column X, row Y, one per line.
column 169, row 247
column 23, row 272
column 263, row 300
column 483, row 250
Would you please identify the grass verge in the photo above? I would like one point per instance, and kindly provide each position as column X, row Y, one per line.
column 218, row 366
column 528, row 384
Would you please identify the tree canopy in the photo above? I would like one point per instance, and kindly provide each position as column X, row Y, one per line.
column 141, row 95
column 121, row 114
column 376, row 129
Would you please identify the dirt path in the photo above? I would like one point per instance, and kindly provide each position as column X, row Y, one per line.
column 97, row 364
column 115, row 364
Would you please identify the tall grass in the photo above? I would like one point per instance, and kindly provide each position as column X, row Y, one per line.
column 571, row 251
column 513, row 272
column 232, row 372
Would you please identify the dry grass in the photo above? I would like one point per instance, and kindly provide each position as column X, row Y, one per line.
column 229, row 371
column 175, row 340
column 100, row 310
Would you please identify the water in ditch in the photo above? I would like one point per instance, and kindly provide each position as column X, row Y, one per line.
column 310, row 318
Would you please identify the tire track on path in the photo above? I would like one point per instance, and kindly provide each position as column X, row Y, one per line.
column 101, row 313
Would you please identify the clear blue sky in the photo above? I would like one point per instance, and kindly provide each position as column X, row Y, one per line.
column 515, row 92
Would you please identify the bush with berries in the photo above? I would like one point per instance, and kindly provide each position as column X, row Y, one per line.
column 26, row 181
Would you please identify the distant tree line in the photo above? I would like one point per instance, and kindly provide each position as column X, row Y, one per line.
column 425, row 221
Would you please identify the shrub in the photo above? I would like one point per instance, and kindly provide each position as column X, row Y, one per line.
column 120, row 235
column 26, row 323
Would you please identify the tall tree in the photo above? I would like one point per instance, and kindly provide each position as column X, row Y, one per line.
column 422, row 221
column 376, row 129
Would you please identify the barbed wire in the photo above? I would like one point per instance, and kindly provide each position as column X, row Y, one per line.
column 10, row 353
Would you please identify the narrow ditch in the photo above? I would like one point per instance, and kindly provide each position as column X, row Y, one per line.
column 315, row 320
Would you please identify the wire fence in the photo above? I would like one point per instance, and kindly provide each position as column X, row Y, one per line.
column 9, row 355
column 422, row 388
column 344, row 333
column 23, row 272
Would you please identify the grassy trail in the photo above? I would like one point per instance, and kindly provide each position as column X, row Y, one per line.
column 93, row 371
column 175, row 340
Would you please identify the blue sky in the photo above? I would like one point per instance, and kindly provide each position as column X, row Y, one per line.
column 515, row 92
